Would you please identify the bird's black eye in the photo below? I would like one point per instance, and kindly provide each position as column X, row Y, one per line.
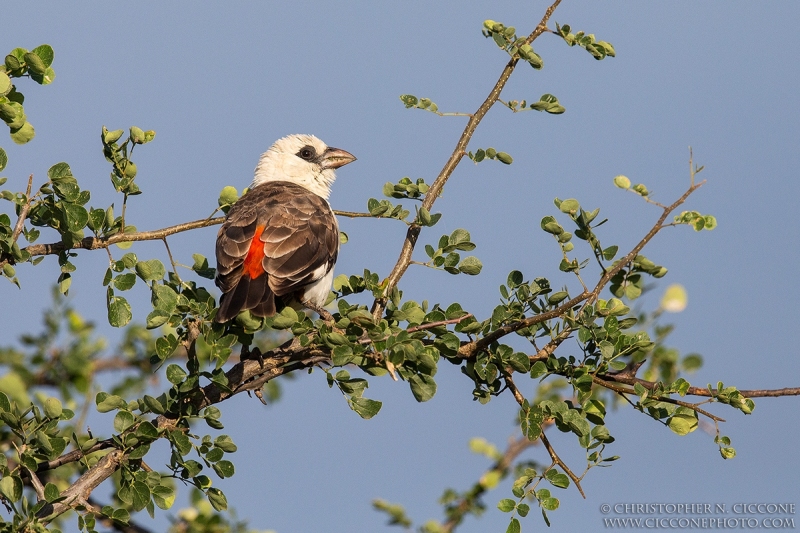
column 307, row 152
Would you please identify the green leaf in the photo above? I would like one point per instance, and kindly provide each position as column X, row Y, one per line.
column 504, row 158
column 119, row 311
column 109, row 402
column 228, row 196
column 622, row 182
column 141, row 495
column 51, row 492
column 163, row 497
column 45, row 53
column 5, row 85
column 569, row 206
column 121, row 515
column 125, row 281
column 151, row 270
column 137, row 135
column 164, row 298
column 225, row 443
column 506, row 505
column 23, row 134
column 11, row 487
column 35, row 63
column 224, row 468
column 365, row 407
column 683, row 422
column 514, row 526
column 175, row 374
column 285, row 319
column 147, row 430
column 423, row 387
column 154, row 405
column 3, row 156
column 217, row 499
column 53, row 408
column 557, row 479
column 201, row 267
column 123, row 420
column 471, row 265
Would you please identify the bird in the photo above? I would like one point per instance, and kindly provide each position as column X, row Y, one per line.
column 279, row 241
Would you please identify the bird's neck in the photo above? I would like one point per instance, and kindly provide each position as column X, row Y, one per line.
column 318, row 183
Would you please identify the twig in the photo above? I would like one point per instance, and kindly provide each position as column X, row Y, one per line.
column 585, row 297
column 37, row 484
column 96, row 243
column 623, row 390
column 172, row 261
column 431, row 325
column 700, row 391
column 23, row 212
column 553, row 455
column 557, row 461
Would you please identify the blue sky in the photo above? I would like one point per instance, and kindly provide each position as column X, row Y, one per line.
column 220, row 82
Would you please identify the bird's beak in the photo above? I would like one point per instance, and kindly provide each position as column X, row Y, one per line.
column 335, row 158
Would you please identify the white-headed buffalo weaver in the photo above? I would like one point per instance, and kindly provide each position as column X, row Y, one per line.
column 279, row 242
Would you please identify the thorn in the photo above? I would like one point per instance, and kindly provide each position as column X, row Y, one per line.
column 260, row 396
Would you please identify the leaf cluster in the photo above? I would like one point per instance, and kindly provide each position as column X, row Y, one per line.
column 35, row 64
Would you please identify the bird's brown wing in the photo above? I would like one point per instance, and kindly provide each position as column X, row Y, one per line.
column 276, row 239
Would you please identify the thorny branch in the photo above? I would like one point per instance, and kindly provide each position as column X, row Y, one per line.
column 553, row 455
column 455, row 158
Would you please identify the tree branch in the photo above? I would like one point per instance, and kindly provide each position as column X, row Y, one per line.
column 455, row 158
column 586, row 297
column 23, row 212
column 79, row 491
column 553, row 455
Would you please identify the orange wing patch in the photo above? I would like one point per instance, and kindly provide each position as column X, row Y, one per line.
column 255, row 255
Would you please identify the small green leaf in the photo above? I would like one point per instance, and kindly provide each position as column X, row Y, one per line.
column 683, row 422
column 125, row 281
column 119, row 311
column 51, row 492
column 217, row 499
column 11, row 487
column 570, row 206
column 175, row 374
column 150, row 270
column 109, row 402
column 224, row 468
column 622, row 182
column 5, row 85
column 23, row 134
column 163, row 497
column 365, row 407
column 423, row 387
column 506, row 505
column 285, row 319
column 504, row 158
column 228, row 196
column 123, row 420
column 471, row 265
column 53, row 408
column 514, row 526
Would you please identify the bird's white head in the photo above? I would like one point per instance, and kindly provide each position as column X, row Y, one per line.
column 304, row 160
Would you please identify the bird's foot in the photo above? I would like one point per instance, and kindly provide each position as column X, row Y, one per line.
column 252, row 355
